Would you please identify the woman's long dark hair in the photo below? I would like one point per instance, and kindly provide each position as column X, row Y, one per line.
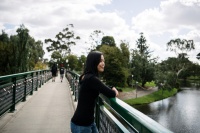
column 92, row 62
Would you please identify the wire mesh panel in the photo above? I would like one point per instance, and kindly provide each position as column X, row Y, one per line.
column 109, row 124
column 14, row 88
column 6, row 97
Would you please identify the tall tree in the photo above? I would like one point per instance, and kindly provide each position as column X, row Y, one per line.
column 198, row 56
column 95, row 39
column 36, row 53
column 22, row 48
column 142, row 63
column 124, row 46
column 64, row 41
column 181, row 47
column 108, row 40
column 19, row 52
column 73, row 62
column 114, row 74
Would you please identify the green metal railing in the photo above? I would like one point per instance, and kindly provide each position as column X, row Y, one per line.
column 15, row 88
column 115, row 116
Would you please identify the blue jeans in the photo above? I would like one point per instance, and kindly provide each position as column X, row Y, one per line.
column 84, row 129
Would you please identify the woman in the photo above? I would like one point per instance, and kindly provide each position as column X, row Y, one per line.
column 90, row 87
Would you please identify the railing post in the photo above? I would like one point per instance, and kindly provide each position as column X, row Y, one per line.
column 97, row 111
column 73, row 85
column 32, row 79
column 25, row 84
column 76, row 88
column 45, row 76
column 12, row 109
column 40, row 79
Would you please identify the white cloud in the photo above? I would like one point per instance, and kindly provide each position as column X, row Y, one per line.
column 177, row 18
column 45, row 18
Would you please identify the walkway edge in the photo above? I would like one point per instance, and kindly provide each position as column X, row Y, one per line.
column 7, row 116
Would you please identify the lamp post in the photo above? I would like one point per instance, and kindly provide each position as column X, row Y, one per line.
column 83, row 67
column 67, row 63
column 132, row 81
column 136, row 89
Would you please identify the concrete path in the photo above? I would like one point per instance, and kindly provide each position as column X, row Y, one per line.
column 138, row 93
column 48, row 110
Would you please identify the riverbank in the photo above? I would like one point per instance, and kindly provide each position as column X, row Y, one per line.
column 139, row 93
column 145, row 96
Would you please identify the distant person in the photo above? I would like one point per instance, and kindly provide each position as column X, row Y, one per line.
column 62, row 70
column 54, row 72
column 90, row 87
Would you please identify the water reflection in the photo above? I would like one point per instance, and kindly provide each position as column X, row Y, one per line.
column 180, row 113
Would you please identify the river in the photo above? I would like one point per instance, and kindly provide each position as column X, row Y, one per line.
column 180, row 113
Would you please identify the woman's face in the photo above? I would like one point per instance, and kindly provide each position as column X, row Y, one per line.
column 101, row 64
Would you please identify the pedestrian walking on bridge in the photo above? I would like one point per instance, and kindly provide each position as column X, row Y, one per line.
column 54, row 72
column 62, row 71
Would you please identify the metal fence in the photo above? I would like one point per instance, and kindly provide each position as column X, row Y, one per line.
column 15, row 88
column 112, row 115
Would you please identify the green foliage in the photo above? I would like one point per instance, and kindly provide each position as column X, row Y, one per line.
column 150, row 84
column 64, row 41
column 73, row 62
column 183, row 46
column 171, row 70
column 125, row 54
column 19, row 52
column 81, row 61
column 114, row 73
column 95, row 39
column 108, row 40
column 142, row 65
column 198, row 56
column 126, row 89
column 40, row 66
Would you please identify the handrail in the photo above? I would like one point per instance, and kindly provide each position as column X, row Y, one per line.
column 114, row 115
column 138, row 120
column 20, row 74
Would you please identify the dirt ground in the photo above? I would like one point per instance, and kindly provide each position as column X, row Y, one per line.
column 140, row 93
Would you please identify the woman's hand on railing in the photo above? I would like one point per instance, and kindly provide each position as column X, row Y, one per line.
column 116, row 91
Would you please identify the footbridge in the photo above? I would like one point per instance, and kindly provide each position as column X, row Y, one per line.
column 31, row 103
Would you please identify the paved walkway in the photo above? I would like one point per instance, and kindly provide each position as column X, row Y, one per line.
column 140, row 93
column 48, row 110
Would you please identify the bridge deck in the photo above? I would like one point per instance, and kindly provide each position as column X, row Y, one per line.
column 48, row 110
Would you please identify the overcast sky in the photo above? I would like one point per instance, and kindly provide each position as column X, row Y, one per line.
column 159, row 20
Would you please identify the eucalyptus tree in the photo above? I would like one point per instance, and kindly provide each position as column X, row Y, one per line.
column 181, row 49
column 198, row 56
column 63, row 41
column 95, row 39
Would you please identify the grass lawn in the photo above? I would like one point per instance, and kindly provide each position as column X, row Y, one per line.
column 156, row 96
column 127, row 89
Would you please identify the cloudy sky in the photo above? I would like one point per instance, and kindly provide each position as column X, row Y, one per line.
column 159, row 20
